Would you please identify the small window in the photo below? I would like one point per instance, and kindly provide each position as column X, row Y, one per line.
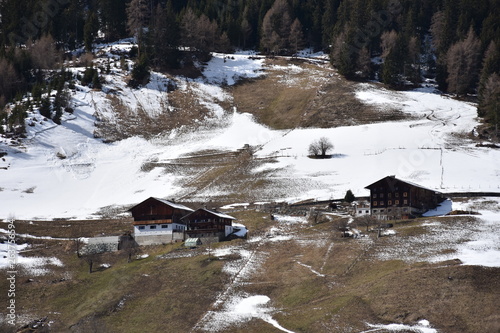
column 389, row 202
column 374, row 210
column 396, row 202
column 389, row 195
column 375, row 203
column 152, row 227
column 381, row 195
column 367, row 211
column 405, row 194
column 360, row 211
column 389, row 210
column 382, row 210
column 141, row 227
column 164, row 226
column 396, row 194
column 375, row 196
column 381, row 203
column 405, row 202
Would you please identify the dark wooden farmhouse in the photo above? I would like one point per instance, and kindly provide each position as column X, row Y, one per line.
column 208, row 225
column 392, row 199
column 158, row 221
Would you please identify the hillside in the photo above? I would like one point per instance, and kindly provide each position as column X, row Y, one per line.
column 236, row 134
column 435, row 274
column 184, row 138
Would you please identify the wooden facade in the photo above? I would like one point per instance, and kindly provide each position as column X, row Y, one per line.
column 204, row 223
column 392, row 198
column 158, row 221
column 158, row 211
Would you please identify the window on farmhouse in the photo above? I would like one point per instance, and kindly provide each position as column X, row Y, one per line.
column 381, row 203
column 389, row 202
column 164, row 226
column 405, row 202
column 396, row 202
column 405, row 194
column 141, row 227
column 381, row 195
column 396, row 194
column 375, row 203
column 389, row 195
column 375, row 196
column 152, row 227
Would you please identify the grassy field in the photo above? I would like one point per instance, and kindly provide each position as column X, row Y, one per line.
column 298, row 93
column 317, row 282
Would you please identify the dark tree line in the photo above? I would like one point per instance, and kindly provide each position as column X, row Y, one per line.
column 455, row 41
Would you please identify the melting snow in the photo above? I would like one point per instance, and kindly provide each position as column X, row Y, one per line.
column 423, row 326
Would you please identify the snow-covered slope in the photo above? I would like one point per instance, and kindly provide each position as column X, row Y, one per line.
column 63, row 171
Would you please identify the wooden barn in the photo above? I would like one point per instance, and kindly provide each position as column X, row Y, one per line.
column 208, row 225
column 158, row 221
column 392, row 198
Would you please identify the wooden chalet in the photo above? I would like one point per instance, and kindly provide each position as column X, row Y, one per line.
column 158, row 221
column 208, row 225
column 392, row 198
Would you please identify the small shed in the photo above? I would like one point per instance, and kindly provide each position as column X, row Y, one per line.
column 192, row 242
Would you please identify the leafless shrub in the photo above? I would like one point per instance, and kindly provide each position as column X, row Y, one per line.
column 44, row 53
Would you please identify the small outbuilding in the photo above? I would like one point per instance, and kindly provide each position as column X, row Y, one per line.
column 192, row 242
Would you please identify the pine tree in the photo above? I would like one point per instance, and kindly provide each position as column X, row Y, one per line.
column 164, row 28
column 46, row 108
column 90, row 31
column 114, row 18
column 349, row 196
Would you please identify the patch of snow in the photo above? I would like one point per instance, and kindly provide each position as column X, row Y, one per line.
column 34, row 266
column 311, row 269
column 473, row 239
column 242, row 231
column 243, row 309
column 230, row 68
column 444, row 208
column 389, row 232
column 235, row 205
column 423, row 326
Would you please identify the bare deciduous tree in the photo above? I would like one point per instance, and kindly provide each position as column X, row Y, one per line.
column 388, row 41
column 438, row 26
column 320, row 148
column 199, row 32
column 296, row 35
column 276, row 27
column 462, row 62
column 366, row 221
column 44, row 53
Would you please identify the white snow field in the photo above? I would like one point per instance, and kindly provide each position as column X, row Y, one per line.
column 64, row 172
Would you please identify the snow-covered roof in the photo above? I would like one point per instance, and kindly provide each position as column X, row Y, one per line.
column 166, row 202
column 218, row 214
column 402, row 181
column 174, row 205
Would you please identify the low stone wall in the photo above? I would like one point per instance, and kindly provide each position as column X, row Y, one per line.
column 159, row 239
column 102, row 244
